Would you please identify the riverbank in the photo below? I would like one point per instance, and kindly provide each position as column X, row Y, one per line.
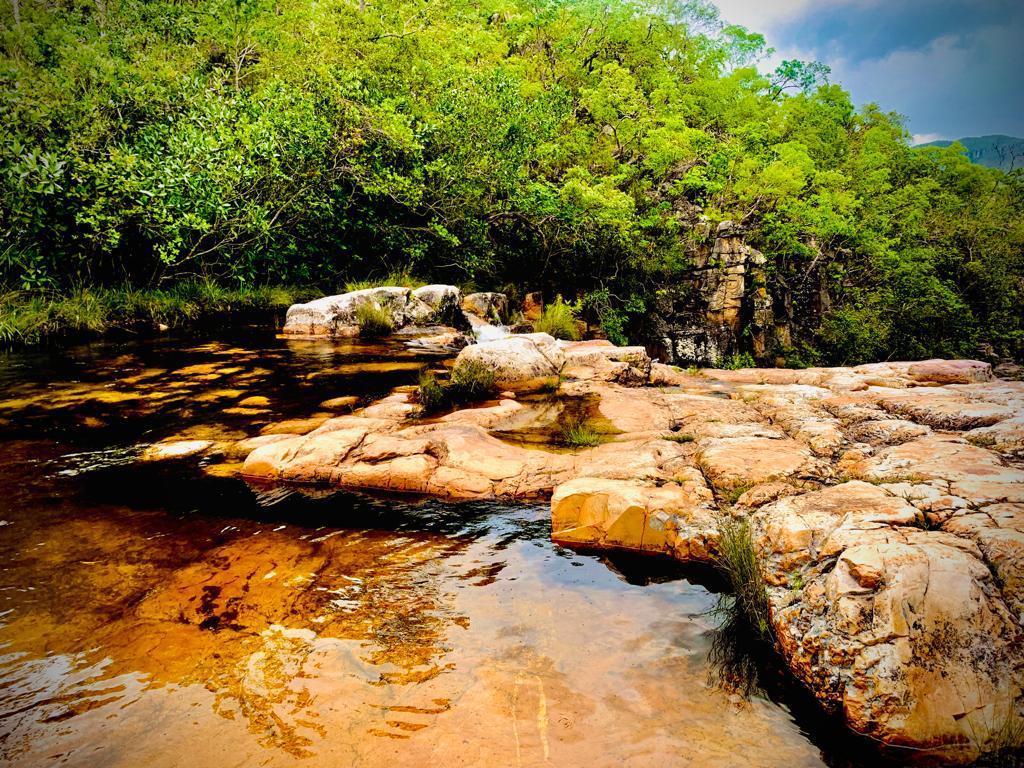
column 37, row 318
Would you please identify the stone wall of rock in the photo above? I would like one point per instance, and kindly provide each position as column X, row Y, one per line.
column 715, row 310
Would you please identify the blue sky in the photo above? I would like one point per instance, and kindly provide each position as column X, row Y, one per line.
column 953, row 67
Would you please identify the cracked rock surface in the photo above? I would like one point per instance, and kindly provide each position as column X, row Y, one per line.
column 886, row 504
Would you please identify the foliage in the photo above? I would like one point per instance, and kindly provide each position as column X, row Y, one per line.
column 737, row 361
column 738, row 563
column 373, row 320
column 576, row 431
column 32, row 317
column 558, row 320
column 471, row 380
column 577, row 148
column 678, row 437
column 431, row 393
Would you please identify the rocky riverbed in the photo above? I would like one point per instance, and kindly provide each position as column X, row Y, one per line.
column 885, row 504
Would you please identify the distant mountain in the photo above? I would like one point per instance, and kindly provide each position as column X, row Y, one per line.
column 1003, row 152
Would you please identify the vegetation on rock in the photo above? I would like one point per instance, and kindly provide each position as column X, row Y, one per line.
column 558, row 320
column 373, row 320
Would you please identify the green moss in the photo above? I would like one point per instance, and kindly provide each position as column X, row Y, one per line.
column 678, row 437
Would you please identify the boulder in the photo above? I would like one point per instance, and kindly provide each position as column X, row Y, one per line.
column 903, row 630
column 527, row 363
column 950, row 371
column 337, row 315
column 488, row 306
column 604, row 361
column 672, row 518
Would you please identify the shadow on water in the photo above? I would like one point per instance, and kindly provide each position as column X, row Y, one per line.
column 277, row 622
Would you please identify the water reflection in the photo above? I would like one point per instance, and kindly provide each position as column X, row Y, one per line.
column 156, row 615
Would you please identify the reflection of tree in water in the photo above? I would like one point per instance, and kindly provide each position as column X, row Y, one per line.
column 736, row 658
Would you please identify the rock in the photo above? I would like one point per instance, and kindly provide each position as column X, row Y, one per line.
column 740, row 461
column 950, row 371
column 901, row 629
column 1009, row 370
column 944, row 409
column 294, row 426
column 343, row 403
column 256, row 401
column 337, row 315
column 527, row 363
column 667, row 376
column 490, row 307
column 624, row 514
column 1006, row 436
column 533, row 307
column 242, row 448
column 434, row 305
column 602, row 360
column 176, row 449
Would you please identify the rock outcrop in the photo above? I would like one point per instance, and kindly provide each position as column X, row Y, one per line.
column 337, row 315
column 885, row 503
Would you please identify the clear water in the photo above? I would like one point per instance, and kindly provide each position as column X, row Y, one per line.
column 165, row 615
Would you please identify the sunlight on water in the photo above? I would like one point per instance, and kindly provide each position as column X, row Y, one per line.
column 160, row 616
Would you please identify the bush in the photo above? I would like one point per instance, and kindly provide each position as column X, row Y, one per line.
column 739, row 564
column 559, row 320
column 396, row 279
column 742, row 360
column 431, row 393
column 578, row 432
column 472, row 380
column 373, row 320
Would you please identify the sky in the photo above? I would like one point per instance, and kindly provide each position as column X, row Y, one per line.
column 953, row 67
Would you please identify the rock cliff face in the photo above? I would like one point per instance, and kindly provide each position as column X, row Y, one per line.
column 886, row 505
column 704, row 320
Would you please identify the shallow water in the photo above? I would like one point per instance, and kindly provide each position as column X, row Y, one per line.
column 163, row 615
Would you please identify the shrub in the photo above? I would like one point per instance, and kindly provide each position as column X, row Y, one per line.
column 678, row 437
column 373, row 320
column 398, row 278
column 431, row 393
column 739, row 564
column 559, row 320
column 472, row 380
column 578, row 432
column 737, row 361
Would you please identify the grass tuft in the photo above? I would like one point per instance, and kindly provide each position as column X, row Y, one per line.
column 578, row 432
column 739, row 564
column 472, row 380
column 558, row 320
column 678, row 437
column 431, row 393
column 373, row 320
column 395, row 279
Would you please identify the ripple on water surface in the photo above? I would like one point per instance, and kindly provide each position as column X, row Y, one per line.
column 157, row 616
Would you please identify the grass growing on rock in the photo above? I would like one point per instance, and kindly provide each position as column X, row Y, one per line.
column 431, row 393
column 578, row 432
column 470, row 381
column 397, row 279
column 678, row 437
column 373, row 321
column 738, row 562
column 558, row 320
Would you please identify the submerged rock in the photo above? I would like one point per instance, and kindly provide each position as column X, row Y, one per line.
column 886, row 507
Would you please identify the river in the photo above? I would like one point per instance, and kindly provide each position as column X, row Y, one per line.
column 165, row 614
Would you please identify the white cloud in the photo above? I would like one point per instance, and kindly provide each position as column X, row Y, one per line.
column 925, row 138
